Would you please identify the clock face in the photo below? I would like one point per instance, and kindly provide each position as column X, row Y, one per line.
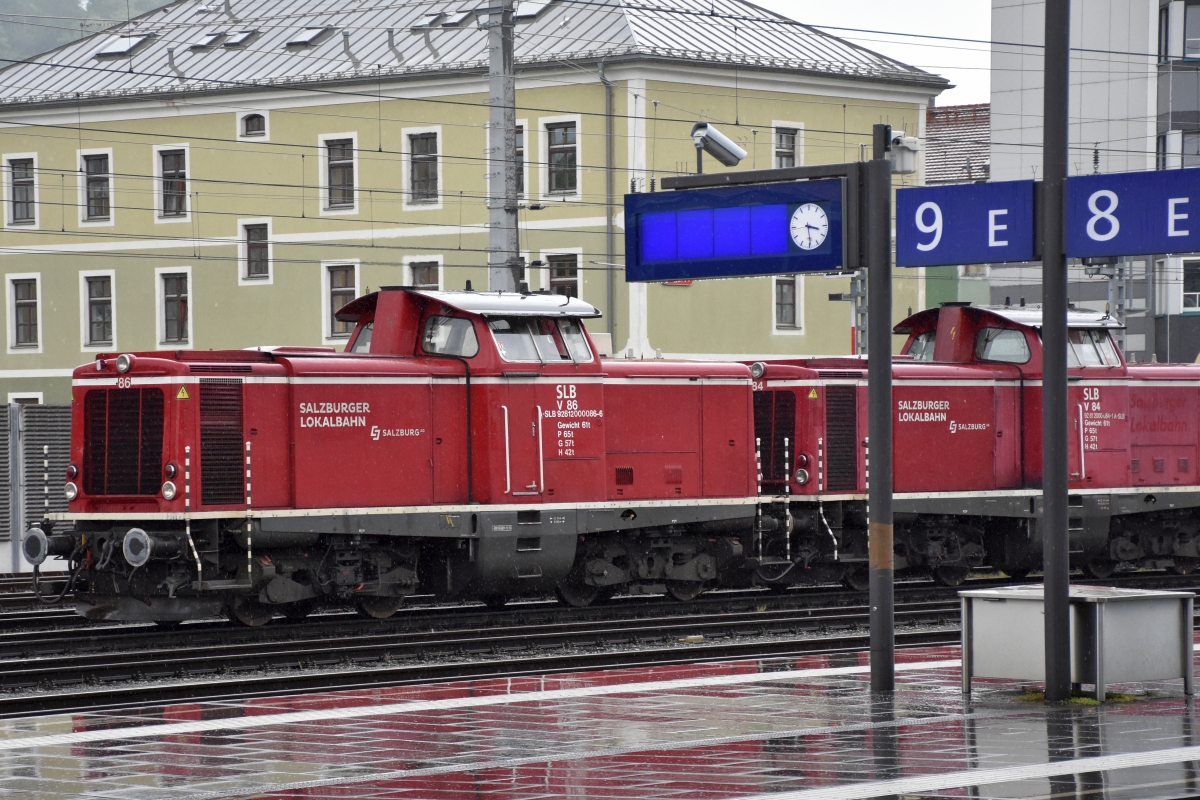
column 809, row 226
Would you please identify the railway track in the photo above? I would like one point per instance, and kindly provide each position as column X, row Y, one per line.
column 206, row 671
column 119, row 665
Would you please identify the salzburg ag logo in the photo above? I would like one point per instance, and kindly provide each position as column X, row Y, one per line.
column 375, row 432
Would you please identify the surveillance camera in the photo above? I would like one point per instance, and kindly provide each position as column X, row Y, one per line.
column 717, row 144
column 903, row 152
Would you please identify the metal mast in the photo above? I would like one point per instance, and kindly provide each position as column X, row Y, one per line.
column 505, row 267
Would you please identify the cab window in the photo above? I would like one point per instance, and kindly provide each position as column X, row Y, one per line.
column 1005, row 345
column 539, row 339
column 921, row 348
column 362, row 342
column 450, row 336
column 1091, row 348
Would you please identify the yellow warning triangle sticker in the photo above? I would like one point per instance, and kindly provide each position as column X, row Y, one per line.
column 183, row 395
column 812, row 394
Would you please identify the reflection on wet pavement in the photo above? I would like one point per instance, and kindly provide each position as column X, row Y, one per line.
column 791, row 728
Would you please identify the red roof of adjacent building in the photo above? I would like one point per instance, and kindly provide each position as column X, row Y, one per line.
column 957, row 143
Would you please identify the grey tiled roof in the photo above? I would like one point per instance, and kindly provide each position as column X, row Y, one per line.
column 436, row 36
column 957, row 146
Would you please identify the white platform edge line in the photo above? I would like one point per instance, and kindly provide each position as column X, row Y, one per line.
column 450, row 703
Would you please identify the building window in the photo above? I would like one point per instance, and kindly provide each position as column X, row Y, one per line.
column 341, row 292
column 424, row 167
column 564, row 274
column 174, row 183
column 341, row 173
column 1191, row 285
column 258, row 264
column 22, row 189
column 25, row 312
column 1164, row 33
column 1191, row 148
column 785, row 302
column 562, row 158
column 96, row 170
column 1191, row 30
column 99, row 310
column 785, row 148
column 424, row 274
column 520, row 161
column 175, row 308
column 1160, row 151
column 254, row 125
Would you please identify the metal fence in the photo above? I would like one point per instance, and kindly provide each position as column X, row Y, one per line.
column 35, row 449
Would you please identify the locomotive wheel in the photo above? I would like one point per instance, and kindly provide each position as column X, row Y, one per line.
column 576, row 595
column 857, row 578
column 250, row 612
column 1099, row 568
column 1185, row 566
column 951, row 576
column 685, row 591
column 495, row 601
column 376, row 607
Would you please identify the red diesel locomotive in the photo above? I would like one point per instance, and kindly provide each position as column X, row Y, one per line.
column 474, row 445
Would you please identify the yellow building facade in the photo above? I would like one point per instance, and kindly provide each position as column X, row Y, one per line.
column 208, row 202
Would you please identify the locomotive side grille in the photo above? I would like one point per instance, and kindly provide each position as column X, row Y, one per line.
column 122, row 441
column 841, row 445
column 221, row 466
column 775, row 421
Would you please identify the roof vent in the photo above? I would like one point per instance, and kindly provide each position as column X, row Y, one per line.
column 119, row 46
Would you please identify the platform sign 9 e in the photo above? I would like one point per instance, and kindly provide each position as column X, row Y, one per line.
column 979, row 223
column 733, row 231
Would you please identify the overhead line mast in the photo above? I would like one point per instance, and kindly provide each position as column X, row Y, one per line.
column 506, row 268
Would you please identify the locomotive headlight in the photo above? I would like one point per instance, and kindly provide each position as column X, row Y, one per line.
column 72, row 472
column 802, row 476
column 168, row 491
column 71, row 490
column 757, row 369
column 170, row 470
column 801, row 460
column 124, row 363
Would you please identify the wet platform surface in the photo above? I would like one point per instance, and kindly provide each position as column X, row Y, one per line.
column 782, row 728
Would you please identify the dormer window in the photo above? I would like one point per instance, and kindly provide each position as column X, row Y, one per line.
column 254, row 125
column 122, row 46
column 308, row 37
column 240, row 38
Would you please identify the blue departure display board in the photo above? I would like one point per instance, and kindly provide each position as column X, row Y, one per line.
column 734, row 231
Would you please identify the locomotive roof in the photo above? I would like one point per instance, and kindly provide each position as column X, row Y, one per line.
column 1030, row 316
column 488, row 304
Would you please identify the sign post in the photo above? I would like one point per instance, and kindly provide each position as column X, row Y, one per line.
column 881, row 562
column 1055, row 538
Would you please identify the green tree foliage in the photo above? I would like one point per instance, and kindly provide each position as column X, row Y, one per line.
column 31, row 27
